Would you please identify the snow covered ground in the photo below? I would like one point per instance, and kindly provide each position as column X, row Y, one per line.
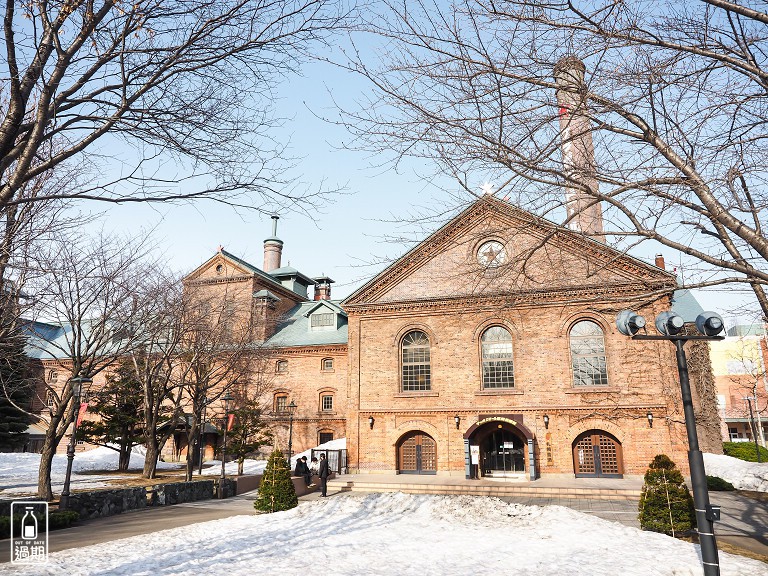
column 397, row 534
column 743, row 475
column 18, row 472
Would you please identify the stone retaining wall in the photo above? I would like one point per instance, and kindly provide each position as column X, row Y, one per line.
column 107, row 502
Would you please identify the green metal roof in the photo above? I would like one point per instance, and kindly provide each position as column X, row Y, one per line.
column 685, row 305
column 294, row 330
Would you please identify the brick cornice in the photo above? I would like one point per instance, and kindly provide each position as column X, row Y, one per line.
column 639, row 408
column 603, row 293
column 307, row 350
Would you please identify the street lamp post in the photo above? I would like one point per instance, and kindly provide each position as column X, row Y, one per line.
column 201, row 438
column 77, row 386
column 291, row 409
column 670, row 326
column 227, row 399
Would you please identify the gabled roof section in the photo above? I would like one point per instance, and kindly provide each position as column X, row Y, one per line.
column 293, row 329
column 685, row 305
column 239, row 263
column 467, row 227
column 327, row 304
column 266, row 294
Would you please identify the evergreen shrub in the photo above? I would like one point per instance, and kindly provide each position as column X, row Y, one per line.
column 276, row 491
column 666, row 504
column 718, row 484
column 744, row 451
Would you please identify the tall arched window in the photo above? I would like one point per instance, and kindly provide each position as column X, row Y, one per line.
column 496, row 349
column 588, row 354
column 415, row 356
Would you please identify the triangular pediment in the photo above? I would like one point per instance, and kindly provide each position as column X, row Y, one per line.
column 494, row 248
column 219, row 266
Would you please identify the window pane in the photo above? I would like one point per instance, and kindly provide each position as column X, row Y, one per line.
column 588, row 355
column 281, row 402
column 327, row 402
column 322, row 319
column 282, row 366
column 497, row 362
column 416, row 362
column 328, row 364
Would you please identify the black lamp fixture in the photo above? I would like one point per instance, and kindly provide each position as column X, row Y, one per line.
column 546, row 421
column 457, row 419
column 370, row 421
column 291, row 409
column 650, row 418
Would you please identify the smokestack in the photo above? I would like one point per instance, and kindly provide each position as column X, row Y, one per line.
column 584, row 212
column 660, row 262
column 273, row 248
column 323, row 288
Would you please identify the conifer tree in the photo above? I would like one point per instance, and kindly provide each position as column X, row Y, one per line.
column 16, row 391
column 666, row 505
column 276, row 491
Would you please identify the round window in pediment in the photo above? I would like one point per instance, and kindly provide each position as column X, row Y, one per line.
column 491, row 254
column 220, row 269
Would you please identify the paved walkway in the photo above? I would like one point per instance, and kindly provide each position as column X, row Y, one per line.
column 744, row 520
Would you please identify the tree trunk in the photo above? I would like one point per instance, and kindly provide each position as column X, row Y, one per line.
column 44, row 489
column 240, row 466
column 150, row 460
column 125, row 457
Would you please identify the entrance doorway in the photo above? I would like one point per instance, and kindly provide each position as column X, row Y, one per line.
column 597, row 454
column 417, row 454
column 502, row 454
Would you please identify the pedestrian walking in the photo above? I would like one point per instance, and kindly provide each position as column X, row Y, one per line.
column 323, row 472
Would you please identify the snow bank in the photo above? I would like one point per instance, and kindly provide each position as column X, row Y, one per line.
column 396, row 534
column 743, row 475
column 19, row 471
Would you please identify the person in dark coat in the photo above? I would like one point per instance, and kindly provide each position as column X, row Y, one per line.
column 323, row 472
column 302, row 469
column 307, row 472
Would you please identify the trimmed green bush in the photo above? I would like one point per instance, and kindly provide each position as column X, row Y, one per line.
column 56, row 520
column 666, row 504
column 276, row 491
column 717, row 483
column 744, row 451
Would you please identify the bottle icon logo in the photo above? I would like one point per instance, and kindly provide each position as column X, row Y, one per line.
column 29, row 525
column 29, row 532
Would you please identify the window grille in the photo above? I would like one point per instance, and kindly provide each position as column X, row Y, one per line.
column 588, row 354
column 318, row 320
column 496, row 345
column 327, row 403
column 416, row 362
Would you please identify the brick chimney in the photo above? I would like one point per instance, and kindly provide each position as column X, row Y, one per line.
column 273, row 249
column 323, row 288
column 660, row 262
column 584, row 211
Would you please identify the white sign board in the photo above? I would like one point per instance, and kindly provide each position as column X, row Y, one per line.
column 474, row 454
column 509, row 445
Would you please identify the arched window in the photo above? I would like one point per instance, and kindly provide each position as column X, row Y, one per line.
column 281, row 366
column 415, row 356
column 496, row 349
column 588, row 354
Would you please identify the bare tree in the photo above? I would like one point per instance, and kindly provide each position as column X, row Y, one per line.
column 670, row 95
column 84, row 294
column 180, row 82
column 218, row 356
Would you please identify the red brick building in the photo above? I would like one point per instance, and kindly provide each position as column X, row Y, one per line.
column 491, row 349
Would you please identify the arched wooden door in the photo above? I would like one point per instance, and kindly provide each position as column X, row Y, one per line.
column 597, row 454
column 417, row 454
